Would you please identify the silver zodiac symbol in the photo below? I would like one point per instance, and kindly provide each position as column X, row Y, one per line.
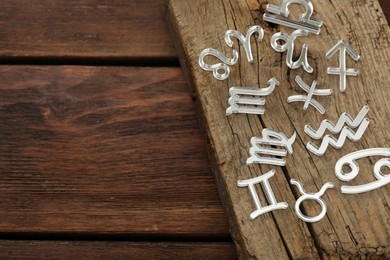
column 309, row 98
column 350, row 160
column 311, row 196
column 345, row 131
column 264, row 180
column 249, row 104
column 270, row 137
column 289, row 47
column 280, row 13
column 345, row 118
column 343, row 47
column 222, row 66
column 245, row 41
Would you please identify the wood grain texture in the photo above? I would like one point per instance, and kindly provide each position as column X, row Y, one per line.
column 99, row 29
column 355, row 226
column 103, row 151
column 113, row 250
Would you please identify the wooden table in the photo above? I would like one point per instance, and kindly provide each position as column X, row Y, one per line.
column 101, row 155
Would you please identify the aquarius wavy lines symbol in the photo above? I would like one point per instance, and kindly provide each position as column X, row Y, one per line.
column 343, row 126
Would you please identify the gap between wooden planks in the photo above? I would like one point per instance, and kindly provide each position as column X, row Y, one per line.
column 355, row 226
column 11, row 250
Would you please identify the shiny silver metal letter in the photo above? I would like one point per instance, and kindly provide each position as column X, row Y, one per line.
column 264, row 180
column 343, row 47
column 245, row 41
column 312, row 91
column 311, row 196
column 279, row 15
column 222, row 66
column 249, row 100
column 270, row 138
column 350, row 160
column 289, row 47
column 345, row 132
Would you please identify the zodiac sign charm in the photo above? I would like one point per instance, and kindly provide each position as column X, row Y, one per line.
column 273, row 204
column 345, row 131
column 311, row 196
column 289, row 47
column 274, row 138
column 249, row 100
column 343, row 47
column 309, row 98
column 222, row 66
column 350, row 160
column 279, row 15
column 245, row 41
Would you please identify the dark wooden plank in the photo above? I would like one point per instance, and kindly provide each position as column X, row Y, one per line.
column 103, row 150
column 347, row 230
column 385, row 4
column 117, row 29
column 113, row 250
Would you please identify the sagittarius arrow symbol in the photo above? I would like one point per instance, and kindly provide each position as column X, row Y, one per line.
column 343, row 47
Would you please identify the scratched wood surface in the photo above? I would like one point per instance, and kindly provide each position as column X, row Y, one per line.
column 73, row 163
column 355, row 226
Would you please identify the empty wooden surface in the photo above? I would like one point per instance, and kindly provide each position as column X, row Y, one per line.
column 11, row 249
column 103, row 150
column 88, row 29
column 346, row 230
column 101, row 153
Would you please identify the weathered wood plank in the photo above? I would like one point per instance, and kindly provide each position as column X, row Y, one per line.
column 347, row 230
column 113, row 250
column 103, row 150
column 117, row 29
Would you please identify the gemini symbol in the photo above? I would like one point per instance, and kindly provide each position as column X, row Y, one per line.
column 264, row 180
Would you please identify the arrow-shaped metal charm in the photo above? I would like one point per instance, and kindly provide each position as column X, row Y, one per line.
column 343, row 47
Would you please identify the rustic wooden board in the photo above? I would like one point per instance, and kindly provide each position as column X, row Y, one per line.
column 96, row 150
column 113, row 250
column 98, row 29
column 347, row 230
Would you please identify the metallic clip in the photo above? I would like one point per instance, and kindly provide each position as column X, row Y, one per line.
column 279, row 15
column 249, row 100
column 289, row 47
column 350, row 160
column 309, row 98
column 311, row 196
